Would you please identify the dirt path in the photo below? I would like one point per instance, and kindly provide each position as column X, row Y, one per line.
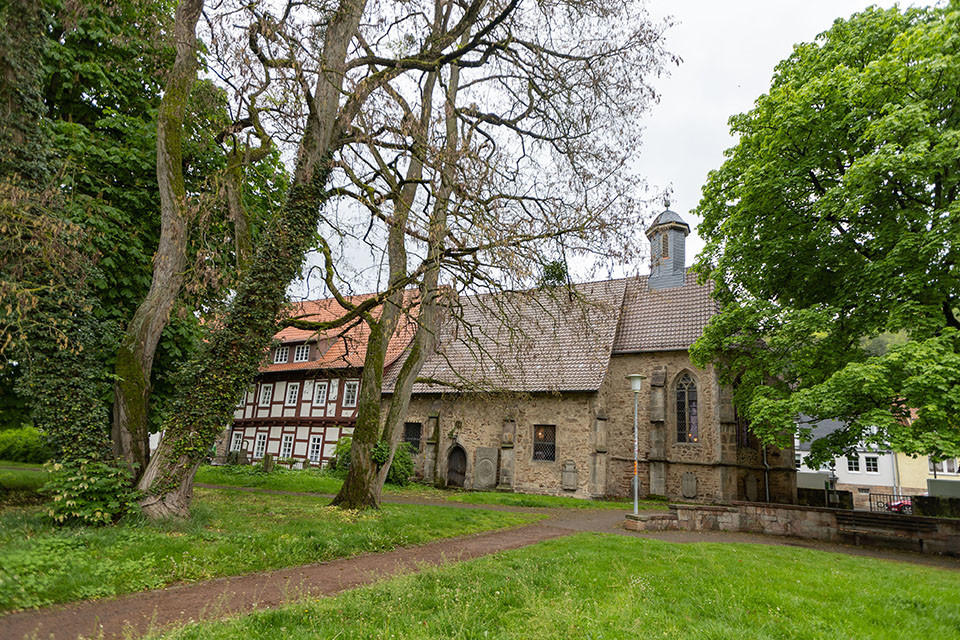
column 138, row 613
column 135, row 614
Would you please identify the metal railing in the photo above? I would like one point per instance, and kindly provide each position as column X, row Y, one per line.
column 891, row 503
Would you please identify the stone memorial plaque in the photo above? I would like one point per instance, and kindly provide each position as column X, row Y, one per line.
column 485, row 469
column 568, row 477
column 689, row 485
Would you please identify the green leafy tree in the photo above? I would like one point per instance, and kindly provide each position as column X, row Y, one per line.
column 835, row 220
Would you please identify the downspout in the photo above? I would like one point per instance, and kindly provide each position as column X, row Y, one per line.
column 896, row 474
column 766, row 473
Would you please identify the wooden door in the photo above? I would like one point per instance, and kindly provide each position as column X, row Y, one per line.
column 456, row 467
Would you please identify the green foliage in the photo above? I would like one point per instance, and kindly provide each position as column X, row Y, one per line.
column 228, row 533
column 836, row 220
column 593, row 586
column 26, row 444
column 401, row 469
column 380, row 453
column 340, row 462
column 88, row 492
column 554, row 274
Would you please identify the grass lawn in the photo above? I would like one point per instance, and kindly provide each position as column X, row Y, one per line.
column 22, row 465
column 229, row 533
column 604, row 586
column 529, row 500
column 322, row 481
column 19, row 486
column 22, row 479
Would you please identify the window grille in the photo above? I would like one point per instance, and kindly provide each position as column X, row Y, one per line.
column 350, row 389
column 665, row 252
column 266, row 394
column 411, row 435
column 316, row 443
column 319, row 393
column 237, row 443
column 853, row 464
column 545, row 442
column 281, row 355
column 261, row 445
column 301, row 353
column 873, row 465
column 286, row 447
column 687, row 427
column 293, row 392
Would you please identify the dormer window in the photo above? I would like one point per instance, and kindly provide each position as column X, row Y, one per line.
column 301, row 353
column 281, row 355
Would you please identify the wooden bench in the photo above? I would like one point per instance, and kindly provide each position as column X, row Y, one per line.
column 862, row 523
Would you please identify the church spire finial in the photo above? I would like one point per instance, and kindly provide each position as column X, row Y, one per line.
column 666, row 202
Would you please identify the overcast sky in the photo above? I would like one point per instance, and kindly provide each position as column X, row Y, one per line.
column 729, row 49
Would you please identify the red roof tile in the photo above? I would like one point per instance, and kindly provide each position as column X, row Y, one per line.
column 343, row 347
column 663, row 319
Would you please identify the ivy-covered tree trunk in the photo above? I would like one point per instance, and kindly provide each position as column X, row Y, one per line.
column 130, row 431
column 225, row 364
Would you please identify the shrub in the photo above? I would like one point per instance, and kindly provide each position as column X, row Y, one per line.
column 401, row 469
column 25, row 444
column 89, row 492
column 341, row 457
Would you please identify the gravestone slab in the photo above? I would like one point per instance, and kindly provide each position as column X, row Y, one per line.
column 750, row 484
column 507, row 456
column 568, row 476
column 688, row 485
column 485, row 469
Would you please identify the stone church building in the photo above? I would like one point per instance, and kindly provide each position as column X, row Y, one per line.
column 529, row 392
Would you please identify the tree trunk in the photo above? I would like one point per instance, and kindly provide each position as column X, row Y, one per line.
column 365, row 487
column 131, row 435
column 223, row 367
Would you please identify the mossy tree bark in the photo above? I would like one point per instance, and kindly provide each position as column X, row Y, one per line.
column 225, row 364
column 130, row 430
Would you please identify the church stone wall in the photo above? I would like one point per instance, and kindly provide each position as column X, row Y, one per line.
column 477, row 420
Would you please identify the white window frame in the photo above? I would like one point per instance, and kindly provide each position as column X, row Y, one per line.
column 355, row 384
column 268, row 387
column 876, row 463
column 295, row 388
column 237, row 444
column 286, row 446
column 853, row 464
column 301, row 353
column 260, row 445
column 942, row 467
column 797, row 461
column 281, row 355
column 318, row 399
column 315, row 452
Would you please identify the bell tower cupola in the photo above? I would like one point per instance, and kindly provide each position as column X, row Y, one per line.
column 668, row 239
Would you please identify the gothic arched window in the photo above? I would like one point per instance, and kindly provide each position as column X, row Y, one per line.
column 687, row 429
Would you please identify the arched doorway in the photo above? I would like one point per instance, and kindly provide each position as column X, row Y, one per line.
column 456, row 466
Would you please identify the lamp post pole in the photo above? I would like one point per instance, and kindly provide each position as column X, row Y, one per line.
column 636, row 382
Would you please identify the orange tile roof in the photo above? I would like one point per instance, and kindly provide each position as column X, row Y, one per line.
column 343, row 347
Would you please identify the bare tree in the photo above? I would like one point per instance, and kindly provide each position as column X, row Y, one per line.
column 526, row 156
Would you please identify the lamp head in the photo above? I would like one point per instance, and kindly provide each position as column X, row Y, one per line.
column 636, row 381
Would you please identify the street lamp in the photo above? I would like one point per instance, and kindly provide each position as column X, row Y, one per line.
column 636, row 383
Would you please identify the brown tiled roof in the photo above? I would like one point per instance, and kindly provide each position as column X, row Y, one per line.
column 342, row 347
column 526, row 341
column 664, row 319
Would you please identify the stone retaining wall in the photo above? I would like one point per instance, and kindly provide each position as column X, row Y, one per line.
column 932, row 535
